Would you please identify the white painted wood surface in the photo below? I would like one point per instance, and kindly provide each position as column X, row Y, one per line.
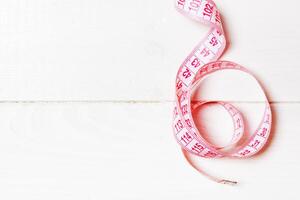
column 108, row 50
column 121, row 151
column 86, row 91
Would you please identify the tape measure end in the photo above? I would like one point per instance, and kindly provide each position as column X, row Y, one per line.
column 228, row 182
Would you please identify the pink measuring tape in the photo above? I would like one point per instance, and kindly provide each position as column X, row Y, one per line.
column 202, row 62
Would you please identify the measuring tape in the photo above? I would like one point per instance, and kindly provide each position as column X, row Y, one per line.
column 202, row 62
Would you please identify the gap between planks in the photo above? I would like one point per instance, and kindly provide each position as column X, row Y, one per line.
column 123, row 102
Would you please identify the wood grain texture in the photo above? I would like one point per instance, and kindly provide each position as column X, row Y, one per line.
column 127, row 151
column 86, row 96
column 131, row 50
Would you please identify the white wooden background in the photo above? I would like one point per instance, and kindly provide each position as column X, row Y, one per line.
column 86, row 92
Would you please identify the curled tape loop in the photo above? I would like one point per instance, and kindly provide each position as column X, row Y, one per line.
column 202, row 62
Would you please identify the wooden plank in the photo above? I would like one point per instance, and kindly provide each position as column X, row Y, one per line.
column 127, row 151
column 131, row 50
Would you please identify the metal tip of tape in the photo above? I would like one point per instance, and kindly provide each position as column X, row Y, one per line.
column 228, row 182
